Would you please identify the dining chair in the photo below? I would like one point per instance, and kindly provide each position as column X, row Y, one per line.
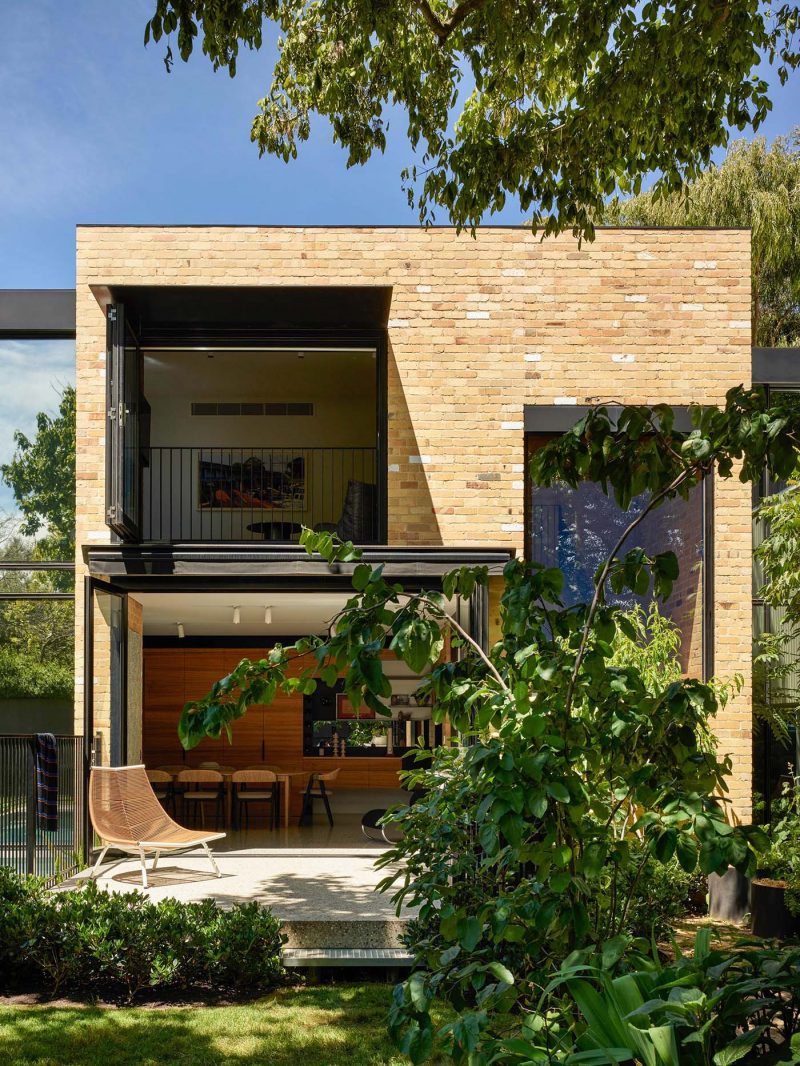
column 196, row 795
column 254, row 786
column 317, row 789
column 163, row 788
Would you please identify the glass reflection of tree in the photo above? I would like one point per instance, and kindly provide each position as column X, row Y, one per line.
column 575, row 528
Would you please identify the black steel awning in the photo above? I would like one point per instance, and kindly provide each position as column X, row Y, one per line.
column 164, row 315
column 163, row 567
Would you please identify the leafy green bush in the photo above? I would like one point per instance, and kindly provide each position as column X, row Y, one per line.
column 782, row 859
column 24, row 677
column 94, row 942
column 663, row 892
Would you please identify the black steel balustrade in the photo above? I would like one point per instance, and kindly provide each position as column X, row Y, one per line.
column 211, row 494
column 24, row 846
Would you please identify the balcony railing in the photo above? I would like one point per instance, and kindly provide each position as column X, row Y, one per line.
column 217, row 494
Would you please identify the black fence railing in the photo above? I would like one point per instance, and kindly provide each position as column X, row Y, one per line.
column 210, row 494
column 25, row 846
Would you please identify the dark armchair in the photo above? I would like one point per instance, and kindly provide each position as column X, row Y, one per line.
column 359, row 519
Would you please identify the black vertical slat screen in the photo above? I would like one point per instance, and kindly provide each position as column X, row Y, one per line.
column 23, row 846
column 214, row 494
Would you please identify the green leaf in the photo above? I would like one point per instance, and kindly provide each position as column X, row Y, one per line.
column 469, row 933
column 502, row 973
column 738, row 1048
column 558, row 791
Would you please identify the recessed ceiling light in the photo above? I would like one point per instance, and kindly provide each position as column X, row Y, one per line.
column 237, row 616
column 181, row 633
column 268, row 616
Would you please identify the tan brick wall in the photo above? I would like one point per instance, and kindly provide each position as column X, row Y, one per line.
column 479, row 328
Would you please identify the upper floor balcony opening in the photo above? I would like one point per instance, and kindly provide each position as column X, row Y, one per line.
column 226, row 434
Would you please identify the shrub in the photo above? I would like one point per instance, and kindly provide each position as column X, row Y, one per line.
column 92, row 942
column 665, row 892
column 782, row 859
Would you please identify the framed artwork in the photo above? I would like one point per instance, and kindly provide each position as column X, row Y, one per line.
column 270, row 480
column 346, row 711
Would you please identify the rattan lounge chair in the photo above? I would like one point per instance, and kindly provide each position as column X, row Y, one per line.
column 128, row 817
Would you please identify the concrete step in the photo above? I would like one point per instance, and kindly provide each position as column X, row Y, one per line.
column 313, row 958
column 343, row 934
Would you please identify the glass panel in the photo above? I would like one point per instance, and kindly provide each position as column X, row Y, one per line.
column 38, row 376
column 37, row 515
column 575, row 529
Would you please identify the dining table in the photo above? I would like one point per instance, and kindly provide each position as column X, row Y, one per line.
column 283, row 777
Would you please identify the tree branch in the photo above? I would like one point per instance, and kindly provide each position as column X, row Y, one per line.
column 603, row 575
column 442, row 28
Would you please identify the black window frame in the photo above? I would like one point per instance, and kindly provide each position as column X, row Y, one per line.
column 553, row 420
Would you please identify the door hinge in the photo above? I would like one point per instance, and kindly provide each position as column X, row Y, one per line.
column 112, row 313
column 111, row 513
column 112, row 413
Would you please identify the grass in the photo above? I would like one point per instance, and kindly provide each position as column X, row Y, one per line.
column 333, row 1025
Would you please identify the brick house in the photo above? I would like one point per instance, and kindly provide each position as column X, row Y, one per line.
column 235, row 383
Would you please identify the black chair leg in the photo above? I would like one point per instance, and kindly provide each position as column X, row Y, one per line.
column 327, row 804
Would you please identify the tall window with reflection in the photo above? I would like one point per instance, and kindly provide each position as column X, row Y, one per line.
column 576, row 529
column 37, row 518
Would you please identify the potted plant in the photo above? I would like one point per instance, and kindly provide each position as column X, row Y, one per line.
column 775, row 891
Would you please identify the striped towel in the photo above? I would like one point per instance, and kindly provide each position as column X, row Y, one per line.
column 47, row 782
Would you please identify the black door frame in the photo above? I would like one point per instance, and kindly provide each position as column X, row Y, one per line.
column 118, row 689
column 123, row 402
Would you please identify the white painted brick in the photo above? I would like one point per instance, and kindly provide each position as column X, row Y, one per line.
column 477, row 314
column 566, row 401
column 512, row 272
column 424, row 288
column 692, row 307
column 420, row 459
column 398, row 323
column 517, row 468
column 635, row 298
column 739, row 323
column 533, row 357
column 513, row 527
column 645, row 255
column 394, row 468
column 518, row 485
column 705, row 264
column 512, row 425
column 623, row 357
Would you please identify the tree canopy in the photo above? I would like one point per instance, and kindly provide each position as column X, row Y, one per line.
column 556, row 104
column 757, row 186
column 42, row 477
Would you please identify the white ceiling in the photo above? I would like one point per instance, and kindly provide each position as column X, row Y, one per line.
column 211, row 613
column 274, row 374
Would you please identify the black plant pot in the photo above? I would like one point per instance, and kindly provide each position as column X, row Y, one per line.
column 771, row 917
column 728, row 895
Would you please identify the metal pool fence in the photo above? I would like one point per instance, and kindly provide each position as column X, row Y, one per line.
column 24, row 846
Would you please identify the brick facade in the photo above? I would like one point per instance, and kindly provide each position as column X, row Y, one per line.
column 478, row 329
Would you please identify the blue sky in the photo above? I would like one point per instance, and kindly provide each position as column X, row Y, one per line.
column 92, row 129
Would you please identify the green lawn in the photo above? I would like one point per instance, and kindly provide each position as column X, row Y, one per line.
column 342, row 1025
